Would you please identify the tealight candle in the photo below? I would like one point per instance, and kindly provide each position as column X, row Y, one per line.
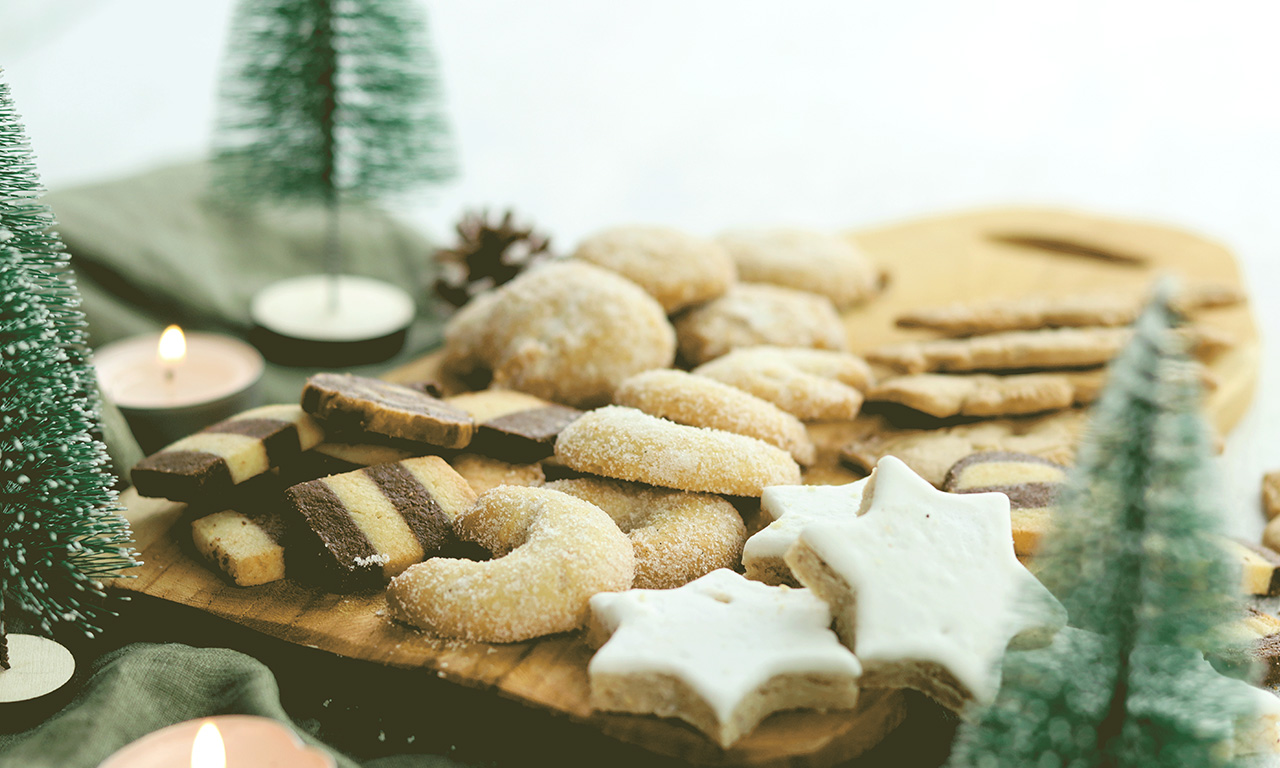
column 171, row 385
column 226, row 741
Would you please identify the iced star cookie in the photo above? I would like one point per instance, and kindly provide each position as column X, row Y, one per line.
column 751, row 314
column 228, row 453
column 675, row 268
column 791, row 508
column 821, row 263
column 810, row 384
column 721, row 653
column 925, row 587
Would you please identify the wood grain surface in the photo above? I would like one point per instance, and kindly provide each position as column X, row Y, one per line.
column 965, row 257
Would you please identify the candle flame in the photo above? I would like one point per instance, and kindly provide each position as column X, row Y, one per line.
column 173, row 345
column 207, row 750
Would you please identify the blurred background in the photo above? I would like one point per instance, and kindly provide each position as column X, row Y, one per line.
column 712, row 114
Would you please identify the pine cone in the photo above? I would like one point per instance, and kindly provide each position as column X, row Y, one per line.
column 487, row 255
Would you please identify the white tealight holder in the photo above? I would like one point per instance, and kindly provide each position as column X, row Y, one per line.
column 331, row 321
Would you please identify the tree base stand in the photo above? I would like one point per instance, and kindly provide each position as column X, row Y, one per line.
column 37, row 683
column 330, row 321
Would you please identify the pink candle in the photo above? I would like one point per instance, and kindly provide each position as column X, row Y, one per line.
column 233, row 741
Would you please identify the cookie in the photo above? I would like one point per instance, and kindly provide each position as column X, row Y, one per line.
column 944, row 395
column 627, row 444
column 699, row 401
column 367, row 454
column 721, row 653
column 371, row 524
column 226, row 454
column 752, row 314
column 810, row 384
column 514, row 426
column 826, row 264
column 1031, row 313
column 1026, row 350
column 1259, row 566
column 248, row 549
column 1251, row 647
column 551, row 553
column 483, row 473
column 675, row 268
column 678, row 536
column 568, row 332
column 1271, row 494
column 789, row 509
column 925, row 587
column 350, row 405
column 1031, row 483
column 932, row 452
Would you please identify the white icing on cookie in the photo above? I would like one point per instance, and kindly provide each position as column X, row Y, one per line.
column 933, row 579
column 792, row 507
column 726, row 638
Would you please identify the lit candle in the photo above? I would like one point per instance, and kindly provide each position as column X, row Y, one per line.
column 226, row 741
column 173, row 384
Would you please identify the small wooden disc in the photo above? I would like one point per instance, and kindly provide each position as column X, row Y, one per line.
column 38, row 667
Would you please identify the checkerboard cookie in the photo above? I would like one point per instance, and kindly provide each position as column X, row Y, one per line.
column 359, row 407
column 514, row 426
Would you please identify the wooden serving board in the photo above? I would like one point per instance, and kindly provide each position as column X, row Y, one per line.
column 967, row 257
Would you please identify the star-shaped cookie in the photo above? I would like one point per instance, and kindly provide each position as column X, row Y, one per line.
column 925, row 587
column 720, row 652
column 792, row 507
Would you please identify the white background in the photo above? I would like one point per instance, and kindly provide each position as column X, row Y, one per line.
column 712, row 114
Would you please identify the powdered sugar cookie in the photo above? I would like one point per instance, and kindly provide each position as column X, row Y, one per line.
column 721, row 653
column 567, row 332
column 484, row 473
column 699, row 401
column 678, row 536
column 925, row 587
column 552, row 552
column 810, row 384
column 821, row 263
column 627, row 444
column 675, row 268
column 751, row 314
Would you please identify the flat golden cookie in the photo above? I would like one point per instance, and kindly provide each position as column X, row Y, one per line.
column 627, row 444
column 567, row 332
column 678, row 536
column 826, row 264
column 675, row 268
column 751, row 314
column 1031, row 313
column 810, row 384
column 699, row 401
column 943, row 395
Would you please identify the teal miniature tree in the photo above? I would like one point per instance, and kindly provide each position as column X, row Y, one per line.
column 59, row 528
column 1134, row 560
column 326, row 101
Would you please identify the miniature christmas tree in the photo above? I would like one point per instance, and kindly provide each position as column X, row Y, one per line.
column 327, row 101
column 1134, row 561
column 59, row 531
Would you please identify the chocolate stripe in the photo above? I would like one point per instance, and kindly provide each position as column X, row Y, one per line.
column 414, row 502
column 1022, row 495
column 328, row 517
column 279, row 438
column 180, row 475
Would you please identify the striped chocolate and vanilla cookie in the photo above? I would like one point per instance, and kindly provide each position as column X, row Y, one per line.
column 227, row 453
column 1030, row 482
column 373, row 523
column 358, row 408
column 514, row 426
column 249, row 548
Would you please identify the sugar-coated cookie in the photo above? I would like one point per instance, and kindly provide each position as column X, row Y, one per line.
column 371, row 524
column 978, row 394
column 627, row 444
column 247, row 548
column 568, row 332
column 925, row 587
column 675, row 268
column 678, row 536
column 1032, row 484
column 551, row 552
column 514, row 426
column 226, row 454
column 826, row 264
column 721, row 653
column 751, row 314
column 790, row 508
column 356, row 406
column 700, row 401
column 810, row 384
column 485, row 473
